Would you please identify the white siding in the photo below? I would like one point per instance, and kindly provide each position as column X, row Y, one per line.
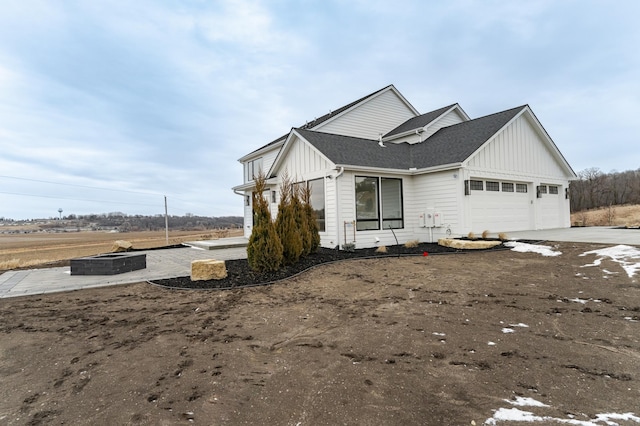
column 268, row 159
column 303, row 161
column 449, row 119
column 440, row 192
column 378, row 115
column 520, row 150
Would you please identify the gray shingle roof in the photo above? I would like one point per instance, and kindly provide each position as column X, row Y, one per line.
column 453, row 144
column 419, row 121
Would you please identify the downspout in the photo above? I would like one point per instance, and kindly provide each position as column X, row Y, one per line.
column 335, row 179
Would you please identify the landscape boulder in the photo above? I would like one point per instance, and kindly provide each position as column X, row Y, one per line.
column 208, row 269
column 467, row 244
column 121, row 245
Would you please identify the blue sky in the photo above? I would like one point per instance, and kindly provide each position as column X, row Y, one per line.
column 109, row 105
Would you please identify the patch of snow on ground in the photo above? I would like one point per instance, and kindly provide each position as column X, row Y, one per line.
column 491, row 343
column 517, row 415
column 525, row 402
column 628, row 257
column 508, row 330
column 533, row 248
column 520, row 324
column 577, row 300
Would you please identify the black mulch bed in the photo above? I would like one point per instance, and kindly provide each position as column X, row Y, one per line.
column 240, row 275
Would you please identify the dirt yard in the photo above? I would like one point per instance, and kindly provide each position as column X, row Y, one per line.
column 460, row 339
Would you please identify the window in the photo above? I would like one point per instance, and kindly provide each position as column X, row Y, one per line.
column 274, row 198
column 521, row 187
column 507, row 187
column 493, row 186
column 543, row 189
column 367, row 203
column 391, row 192
column 377, row 197
column 477, row 185
column 317, row 201
column 252, row 169
column 247, row 200
column 553, row 189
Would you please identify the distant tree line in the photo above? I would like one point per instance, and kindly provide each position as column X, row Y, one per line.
column 127, row 223
column 594, row 189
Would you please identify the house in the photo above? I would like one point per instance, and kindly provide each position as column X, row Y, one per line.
column 380, row 171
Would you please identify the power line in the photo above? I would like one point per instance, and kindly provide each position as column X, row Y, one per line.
column 78, row 186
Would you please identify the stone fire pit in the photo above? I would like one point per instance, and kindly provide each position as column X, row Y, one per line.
column 108, row 264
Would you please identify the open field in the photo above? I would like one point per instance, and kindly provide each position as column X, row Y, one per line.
column 36, row 249
column 625, row 215
column 460, row 339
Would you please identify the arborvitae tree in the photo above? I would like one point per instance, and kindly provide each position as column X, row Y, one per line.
column 264, row 251
column 302, row 221
column 312, row 220
column 286, row 224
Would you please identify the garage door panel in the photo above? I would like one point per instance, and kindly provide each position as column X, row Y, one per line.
column 498, row 211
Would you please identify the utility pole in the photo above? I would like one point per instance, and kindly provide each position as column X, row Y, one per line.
column 166, row 221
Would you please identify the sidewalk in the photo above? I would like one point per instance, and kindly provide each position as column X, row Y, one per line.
column 164, row 263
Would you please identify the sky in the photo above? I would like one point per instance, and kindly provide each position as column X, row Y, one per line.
column 109, row 106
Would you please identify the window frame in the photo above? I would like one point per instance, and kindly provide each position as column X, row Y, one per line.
column 479, row 185
column 321, row 221
column 492, row 185
column 378, row 218
column 508, row 187
column 520, row 186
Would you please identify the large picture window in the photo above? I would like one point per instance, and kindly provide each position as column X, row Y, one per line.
column 376, row 199
column 317, row 201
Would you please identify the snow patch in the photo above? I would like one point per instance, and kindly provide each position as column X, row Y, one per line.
column 627, row 256
column 508, row 330
column 520, row 324
column 525, row 402
column 532, row 248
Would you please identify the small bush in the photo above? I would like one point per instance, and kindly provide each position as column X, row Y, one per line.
column 485, row 234
column 503, row 236
column 381, row 249
column 412, row 244
column 472, row 236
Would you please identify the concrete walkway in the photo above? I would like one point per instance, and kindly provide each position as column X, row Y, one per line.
column 169, row 263
column 164, row 263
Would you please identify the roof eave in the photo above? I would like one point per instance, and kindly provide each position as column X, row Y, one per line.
column 261, row 151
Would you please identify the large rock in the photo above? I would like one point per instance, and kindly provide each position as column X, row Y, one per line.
column 121, row 245
column 467, row 244
column 208, row 269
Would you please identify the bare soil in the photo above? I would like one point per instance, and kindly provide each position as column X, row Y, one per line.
column 387, row 341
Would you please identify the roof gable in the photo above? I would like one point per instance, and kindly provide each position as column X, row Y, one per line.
column 420, row 121
column 326, row 119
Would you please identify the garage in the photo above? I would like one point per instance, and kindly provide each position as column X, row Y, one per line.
column 500, row 206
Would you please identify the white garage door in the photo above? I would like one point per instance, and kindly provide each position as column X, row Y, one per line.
column 499, row 206
column 550, row 206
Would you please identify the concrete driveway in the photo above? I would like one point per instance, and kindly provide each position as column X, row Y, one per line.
column 590, row 234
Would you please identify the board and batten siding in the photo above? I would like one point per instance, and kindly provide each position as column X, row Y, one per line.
column 303, row 162
column 518, row 149
column 379, row 115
